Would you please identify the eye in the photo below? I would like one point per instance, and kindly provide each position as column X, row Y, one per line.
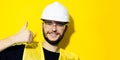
column 48, row 22
column 60, row 23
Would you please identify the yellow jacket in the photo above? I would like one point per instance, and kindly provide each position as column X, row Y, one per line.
column 37, row 54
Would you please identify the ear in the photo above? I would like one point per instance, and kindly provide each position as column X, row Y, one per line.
column 66, row 27
column 42, row 25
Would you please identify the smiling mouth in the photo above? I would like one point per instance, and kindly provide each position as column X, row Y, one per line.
column 53, row 35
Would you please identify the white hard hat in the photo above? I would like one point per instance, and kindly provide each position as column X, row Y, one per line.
column 56, row 12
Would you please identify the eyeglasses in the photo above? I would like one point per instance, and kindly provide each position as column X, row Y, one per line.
column 51, row 23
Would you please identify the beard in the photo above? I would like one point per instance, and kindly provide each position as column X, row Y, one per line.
column 56, row 42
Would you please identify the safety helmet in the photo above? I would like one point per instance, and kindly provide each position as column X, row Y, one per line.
column 56, row 12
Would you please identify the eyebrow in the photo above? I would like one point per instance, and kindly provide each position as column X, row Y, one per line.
column 54, row 21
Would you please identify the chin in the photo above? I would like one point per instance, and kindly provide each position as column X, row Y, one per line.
column 53, row 39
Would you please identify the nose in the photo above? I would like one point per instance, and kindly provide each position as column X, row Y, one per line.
column 54, row 28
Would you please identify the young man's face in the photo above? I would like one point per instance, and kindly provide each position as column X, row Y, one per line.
column 53, row 31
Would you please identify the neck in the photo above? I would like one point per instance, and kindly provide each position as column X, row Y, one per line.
column 50, row 47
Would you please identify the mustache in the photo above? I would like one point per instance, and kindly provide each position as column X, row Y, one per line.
column 53, row 32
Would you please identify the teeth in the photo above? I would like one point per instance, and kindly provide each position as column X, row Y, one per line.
column 53, row 34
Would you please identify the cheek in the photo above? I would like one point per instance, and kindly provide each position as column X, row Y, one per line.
column 45, row 30
column 61, row 31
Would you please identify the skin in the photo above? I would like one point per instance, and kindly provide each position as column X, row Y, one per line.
column 23, row 35
column 52, row 33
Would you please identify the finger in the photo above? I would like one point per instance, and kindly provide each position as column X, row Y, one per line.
column 30, row 37
column 25, row 26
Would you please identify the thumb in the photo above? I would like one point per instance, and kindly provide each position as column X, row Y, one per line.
column 25, row 26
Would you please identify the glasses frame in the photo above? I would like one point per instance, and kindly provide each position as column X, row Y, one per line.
column 51, row 23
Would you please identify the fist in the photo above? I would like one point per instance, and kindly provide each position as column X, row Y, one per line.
column 23, row 36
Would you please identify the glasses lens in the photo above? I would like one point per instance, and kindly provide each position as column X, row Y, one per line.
column 47, row 22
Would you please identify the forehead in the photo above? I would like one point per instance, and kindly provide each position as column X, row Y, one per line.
column 47, row 20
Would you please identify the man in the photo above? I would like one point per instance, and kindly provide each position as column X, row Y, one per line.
column 55, row 18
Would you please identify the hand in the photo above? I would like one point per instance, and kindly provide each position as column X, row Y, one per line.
column 23, row 36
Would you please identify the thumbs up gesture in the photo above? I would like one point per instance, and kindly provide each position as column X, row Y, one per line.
column 23, row 36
